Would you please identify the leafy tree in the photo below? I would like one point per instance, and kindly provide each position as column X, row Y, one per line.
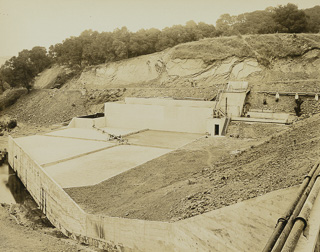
column 225, row 24
column 205, row 31
column 39, row 58
column 289, row 19
column 257, row 22
column 313, row 19
column 20, row 71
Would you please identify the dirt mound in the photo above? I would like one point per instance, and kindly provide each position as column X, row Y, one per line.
column 206, row 175
column 47, row 106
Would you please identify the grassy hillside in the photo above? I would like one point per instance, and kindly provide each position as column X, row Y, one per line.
column 269, row 46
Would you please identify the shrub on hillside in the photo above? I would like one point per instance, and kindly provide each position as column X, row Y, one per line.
column 10, row 96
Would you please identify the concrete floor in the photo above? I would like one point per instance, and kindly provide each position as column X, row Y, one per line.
column 96, row 167
column 120, row 131
column 162, row 139
column 48, row 149
column 91, row 134
column 80, row 157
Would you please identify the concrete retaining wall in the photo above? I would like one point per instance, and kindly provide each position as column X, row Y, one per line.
column 101, row 231
column 87, row 123
column 60, row 209
column 157, row 117
column 235, row 102
column 269, row 115
column 169, row 102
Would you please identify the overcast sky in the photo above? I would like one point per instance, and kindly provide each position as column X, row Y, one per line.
column 28, row 23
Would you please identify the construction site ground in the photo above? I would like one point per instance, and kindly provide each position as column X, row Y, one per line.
column 208, row 174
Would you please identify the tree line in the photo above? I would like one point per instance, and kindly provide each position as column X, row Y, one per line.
column 93, row 48
column 281, row 19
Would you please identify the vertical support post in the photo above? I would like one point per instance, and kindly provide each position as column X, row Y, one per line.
column 226, row 106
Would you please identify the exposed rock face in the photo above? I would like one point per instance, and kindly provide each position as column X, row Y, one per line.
column 158, row 70
column 212, row 61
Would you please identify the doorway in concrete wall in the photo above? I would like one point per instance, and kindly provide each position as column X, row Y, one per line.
column 216, row 129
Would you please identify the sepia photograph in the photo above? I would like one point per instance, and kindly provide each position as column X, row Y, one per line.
column 159, row 126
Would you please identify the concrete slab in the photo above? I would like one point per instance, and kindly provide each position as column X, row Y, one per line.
column 81, row 133
column 96, row 167
column 46, row 149
column 245, row 226
column 120, row 131
column 162, row 139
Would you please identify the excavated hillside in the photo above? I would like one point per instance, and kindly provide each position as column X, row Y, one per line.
column 273, row 62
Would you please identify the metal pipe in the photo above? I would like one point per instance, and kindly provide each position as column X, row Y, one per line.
column 283, row 220
column 286, row 231
column 302, row 220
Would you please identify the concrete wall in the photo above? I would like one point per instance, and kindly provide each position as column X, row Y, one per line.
column 60, row 209
column 157, row 117
column 269, row 115
column 87, row 122
column 101, row 231
column 211, row 125
column 170, row 102
column 235, row 103
column 237, row 85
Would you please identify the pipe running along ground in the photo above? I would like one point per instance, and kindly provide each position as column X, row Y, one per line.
column 301, row 222
column 286, row 231
column 286, row 217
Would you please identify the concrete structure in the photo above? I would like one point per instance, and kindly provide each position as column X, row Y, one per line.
column 80, row 157
column 217, row 126
column 166, row 117
column 131, row 133
column 244, row 226
column 88, row 122
column 231, row 99
column 167, row 114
